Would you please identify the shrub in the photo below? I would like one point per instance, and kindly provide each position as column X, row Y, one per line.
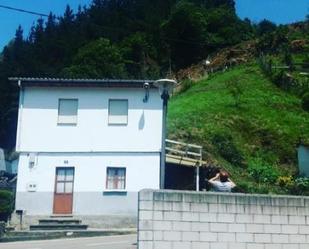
column 305, row 101
column 301, row 186
column 185, row 85
column 262, row 172
column 227, row 149
column 2, row 228
column 6, row 204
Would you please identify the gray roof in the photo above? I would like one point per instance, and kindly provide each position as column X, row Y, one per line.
column 65, row 82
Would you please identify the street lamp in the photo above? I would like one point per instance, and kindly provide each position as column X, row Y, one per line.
column 165, row 87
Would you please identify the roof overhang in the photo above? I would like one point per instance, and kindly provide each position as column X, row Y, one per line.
column 64, row 82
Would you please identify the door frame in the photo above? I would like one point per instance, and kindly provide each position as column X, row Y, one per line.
column 55, row 189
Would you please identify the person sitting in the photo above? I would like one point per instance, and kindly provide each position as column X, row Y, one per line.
column 221, row 182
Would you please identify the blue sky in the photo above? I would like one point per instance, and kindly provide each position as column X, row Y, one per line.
column 278, row 11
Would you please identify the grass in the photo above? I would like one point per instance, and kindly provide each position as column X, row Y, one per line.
column 240, row 116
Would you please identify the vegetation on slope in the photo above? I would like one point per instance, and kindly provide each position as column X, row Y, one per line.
column 246, row 125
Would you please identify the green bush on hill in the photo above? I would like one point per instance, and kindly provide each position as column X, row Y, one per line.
column 6, row 204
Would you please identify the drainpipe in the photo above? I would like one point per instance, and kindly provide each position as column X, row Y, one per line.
column 20, row 114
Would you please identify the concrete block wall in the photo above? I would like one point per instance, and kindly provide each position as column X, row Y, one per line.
column 205, row 220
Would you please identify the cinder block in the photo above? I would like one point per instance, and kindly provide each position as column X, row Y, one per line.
column 158, row 196
column 303, row 230
column 303, row 246
column 244, row 218
column 173, row 197
column 208, row 217
column 275, row 210
column 209, row 198
column 288, row 210
column 217, row 208
column 172, row 215
column 181, row 245
column 295, row 201
column 273, row 246
column 226, row 218
column 145, row 195
column 297, row 238
column 162, row 206
column 218, row 227
column 189, row 216
column 145, row 235
column 303, row 211
column 162, row 245
column 192, row 197
column 279, row 219
column 145, row 215
column 261, row 219
column 157, row 235
column 200, row 245
column 226, row 237
column 145, row 225
column 290, row 246
column 218, row 245
column 252, row 209
column 262, row 238
column 145, row 205
column 297, row 220
column 237, row 245
column 208, row 236
column 198, row 207
column 272, row 228
column 289, row 229
column 190, row 236
column 227, row 199
column 255, row 246
column 243, row 199
column 280, row 238
column 162, row 225
column 181, row 206
column 145, row 245
column 199, row 227
column 244, row 237
column 255, row 228
column 181, row 226
column 236, row 228
column 172, row 236
column 158, row 215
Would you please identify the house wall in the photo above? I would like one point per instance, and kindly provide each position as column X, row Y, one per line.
column 90, row 196
column 204, row 220
column 38, row 114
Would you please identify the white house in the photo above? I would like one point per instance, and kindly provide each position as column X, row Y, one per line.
column 86, row 147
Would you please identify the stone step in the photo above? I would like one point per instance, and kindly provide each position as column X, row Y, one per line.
column 59, row 221
column 52, row 227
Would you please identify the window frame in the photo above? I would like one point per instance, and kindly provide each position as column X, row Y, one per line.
column 109, row 113
column 118, row 181
column 58, row 117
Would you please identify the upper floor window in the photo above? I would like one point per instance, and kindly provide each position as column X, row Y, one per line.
column 67, row 111
column 118, row 111
column 115, row 178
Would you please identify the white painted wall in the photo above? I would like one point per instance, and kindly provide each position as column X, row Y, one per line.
column 39, row 131
column 142, row 171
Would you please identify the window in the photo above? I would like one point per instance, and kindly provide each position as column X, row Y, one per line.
column 67, row 111
column 64, row 180
column 118, row 111
column 115, row 178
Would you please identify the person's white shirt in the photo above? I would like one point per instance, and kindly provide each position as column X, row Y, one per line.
column 219, row 186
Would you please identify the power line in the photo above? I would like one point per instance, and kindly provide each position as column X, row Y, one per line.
column 22, row 10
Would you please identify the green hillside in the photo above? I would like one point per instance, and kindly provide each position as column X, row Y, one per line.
column 246, row 125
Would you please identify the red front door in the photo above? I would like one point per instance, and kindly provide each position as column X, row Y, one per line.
column 63, row 195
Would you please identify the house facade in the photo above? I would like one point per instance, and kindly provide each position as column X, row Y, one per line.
column 86, row 147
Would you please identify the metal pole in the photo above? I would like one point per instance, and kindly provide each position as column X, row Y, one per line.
column 165, row 98
column 198, row 177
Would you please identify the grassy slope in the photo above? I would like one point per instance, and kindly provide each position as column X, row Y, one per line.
column 267, row 124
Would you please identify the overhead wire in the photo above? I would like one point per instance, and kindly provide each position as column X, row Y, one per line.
column 22, row 10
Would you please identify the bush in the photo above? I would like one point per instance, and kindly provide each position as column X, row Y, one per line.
column 262, row 172
column 2, row 228
column 227, row 149
column 305, row 101
column 185, row 85
column 301, row 186
column 6, row 204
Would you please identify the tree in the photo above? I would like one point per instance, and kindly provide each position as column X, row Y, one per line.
column 265, row 26
column 98, row 59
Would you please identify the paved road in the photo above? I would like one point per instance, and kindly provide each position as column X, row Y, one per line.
column 106, row 242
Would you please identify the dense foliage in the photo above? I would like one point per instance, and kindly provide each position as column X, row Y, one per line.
column 116, row 39
column 6, row 204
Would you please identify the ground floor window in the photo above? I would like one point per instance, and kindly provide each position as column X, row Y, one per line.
column 116, row 178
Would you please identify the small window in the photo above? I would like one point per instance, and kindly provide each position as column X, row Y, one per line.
column 67, row 111
column 115, row 178
column 118, row 111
